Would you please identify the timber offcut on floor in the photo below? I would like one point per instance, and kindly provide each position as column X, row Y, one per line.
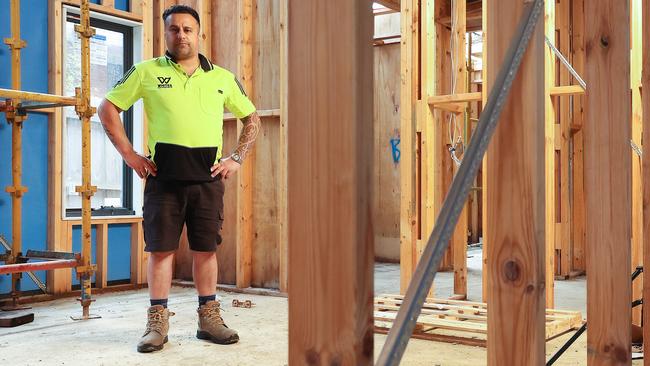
column 461, row 322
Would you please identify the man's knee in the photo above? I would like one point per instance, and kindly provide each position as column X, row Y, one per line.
column 160, row 256
column 204, row 255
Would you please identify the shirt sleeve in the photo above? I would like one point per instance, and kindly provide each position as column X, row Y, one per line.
column 237, row 101
column 127, row 91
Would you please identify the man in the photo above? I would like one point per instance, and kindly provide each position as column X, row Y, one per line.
column 184, row 96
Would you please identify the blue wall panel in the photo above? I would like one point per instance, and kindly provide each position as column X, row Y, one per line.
column 119, row 252
column 34, row 30
column 35, row 133
column 122, row 4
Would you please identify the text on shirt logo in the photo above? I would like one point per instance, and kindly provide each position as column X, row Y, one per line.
column 164, row 82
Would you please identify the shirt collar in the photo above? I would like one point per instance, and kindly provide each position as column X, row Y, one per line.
column 206, row 65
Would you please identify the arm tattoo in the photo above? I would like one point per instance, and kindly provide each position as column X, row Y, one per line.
column 109, row 134
column 248, row 134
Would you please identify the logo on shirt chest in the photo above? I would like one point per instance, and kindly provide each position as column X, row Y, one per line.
column 164, row 82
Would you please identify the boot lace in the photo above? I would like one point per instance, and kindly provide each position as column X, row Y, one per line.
column 213, row 314
column 156, row 322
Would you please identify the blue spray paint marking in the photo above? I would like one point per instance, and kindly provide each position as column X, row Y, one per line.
column 394, row 144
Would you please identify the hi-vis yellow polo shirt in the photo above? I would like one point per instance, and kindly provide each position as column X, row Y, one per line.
column 184, row 113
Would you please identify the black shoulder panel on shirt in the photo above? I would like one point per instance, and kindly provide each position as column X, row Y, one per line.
column 240, row 87
column 126, row 76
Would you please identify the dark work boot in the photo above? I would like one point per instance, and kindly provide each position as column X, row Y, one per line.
column 155, row 337
column 212, row 327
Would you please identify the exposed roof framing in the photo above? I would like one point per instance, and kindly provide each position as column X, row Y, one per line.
column 390, row 4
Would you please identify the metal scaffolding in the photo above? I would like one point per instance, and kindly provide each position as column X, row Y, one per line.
column 16, row 106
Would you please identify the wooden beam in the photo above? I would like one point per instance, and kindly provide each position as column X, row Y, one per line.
column 108, row 3
column 516, row 251
column 408, row 96
column 485, row 165
column 261, row 113
column 562, row 38
column 101, row 253
column 578, row 202
column 443, row 79
column 431, row 195
column 645, row 80
column 566, row 90
column 245, row 176
column 549, row 155
column 608, row 181
column 457, row 108
column 390, row 4
column 637, row 122
column 107, row 10
column 330, row 237
column 284, row 111
column 57, row 281
column 137, row 253
column 455, row 98
column 459, row 238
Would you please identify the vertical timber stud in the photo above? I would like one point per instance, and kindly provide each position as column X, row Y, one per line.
column 408, row 94
column 430, row 132
column 485, row 168
column 578, row 158
column 549, row 153
column 637, row 194
column 562, row 230
column 645, row 83
column 330, row 160
column 516, row 252
column 459, row 239
column 284, row 68
column 57, row 279
column 608, row 181
column 145, row 8
column 245, row 176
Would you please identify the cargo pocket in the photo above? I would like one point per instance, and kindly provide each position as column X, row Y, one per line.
column 220, row 227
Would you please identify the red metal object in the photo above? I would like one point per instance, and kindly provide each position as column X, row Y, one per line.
column 37, row 266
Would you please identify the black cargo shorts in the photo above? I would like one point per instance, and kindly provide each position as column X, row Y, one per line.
column 168, row 204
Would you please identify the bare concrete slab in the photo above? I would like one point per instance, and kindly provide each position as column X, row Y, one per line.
column 54, row 339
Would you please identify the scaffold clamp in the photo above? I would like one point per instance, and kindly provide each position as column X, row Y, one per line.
column 16, row 191
column 15, row 44
column 86, row 190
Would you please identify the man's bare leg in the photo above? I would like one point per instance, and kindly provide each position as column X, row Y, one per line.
column 159, row 274
column 204, row 272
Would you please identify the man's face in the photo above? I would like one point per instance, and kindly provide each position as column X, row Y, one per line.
column 182, row 36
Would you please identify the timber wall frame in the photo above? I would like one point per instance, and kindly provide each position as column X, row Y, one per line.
column 592, row 174
column 254, row 251
column 426, row 169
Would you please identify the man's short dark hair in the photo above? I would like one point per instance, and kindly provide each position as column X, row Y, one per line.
column 180, row 9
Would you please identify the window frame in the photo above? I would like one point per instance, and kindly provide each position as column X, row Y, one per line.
column 132, row 118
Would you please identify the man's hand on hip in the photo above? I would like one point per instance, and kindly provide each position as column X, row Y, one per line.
column 141, row 165
column 226, row 167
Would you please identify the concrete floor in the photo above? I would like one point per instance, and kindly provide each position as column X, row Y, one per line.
column 54, row 339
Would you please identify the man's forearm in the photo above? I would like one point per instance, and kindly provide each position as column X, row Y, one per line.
column 248, row 134
column 109, row 115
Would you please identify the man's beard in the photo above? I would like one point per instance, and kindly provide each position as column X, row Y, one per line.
column 181, row 53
